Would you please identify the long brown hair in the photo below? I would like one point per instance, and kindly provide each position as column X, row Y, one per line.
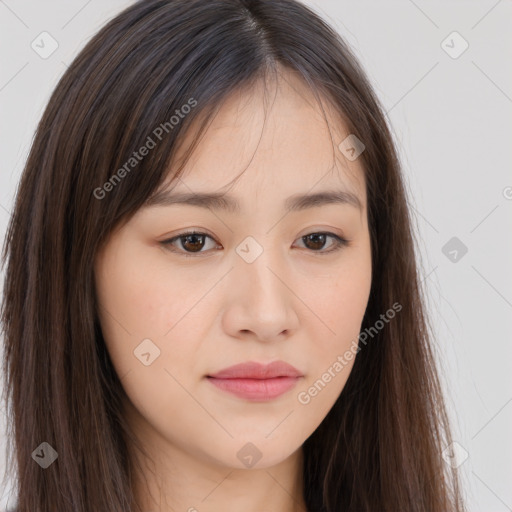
column 379, row 448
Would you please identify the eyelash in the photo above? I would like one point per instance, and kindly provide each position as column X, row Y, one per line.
column 339, row 244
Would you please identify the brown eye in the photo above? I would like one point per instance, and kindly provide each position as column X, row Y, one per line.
column 189, row 244
column 192, row 243
column 316, row 242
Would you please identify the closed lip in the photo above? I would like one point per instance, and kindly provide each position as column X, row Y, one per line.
column 254, row 370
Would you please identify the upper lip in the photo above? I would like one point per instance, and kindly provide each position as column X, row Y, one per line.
column 253, row 370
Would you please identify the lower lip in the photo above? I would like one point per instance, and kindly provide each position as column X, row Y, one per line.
column 256, row 389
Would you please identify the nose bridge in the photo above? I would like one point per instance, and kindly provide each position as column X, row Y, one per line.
column 262, row 301
column 257, row 269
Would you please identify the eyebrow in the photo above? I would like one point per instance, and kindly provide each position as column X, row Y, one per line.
column 219, row 201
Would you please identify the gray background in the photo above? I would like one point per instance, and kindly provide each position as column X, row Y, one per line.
column 451, row 119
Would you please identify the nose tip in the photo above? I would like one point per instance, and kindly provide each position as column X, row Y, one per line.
column 261, row 302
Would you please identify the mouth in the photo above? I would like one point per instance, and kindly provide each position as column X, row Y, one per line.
column 255, row 381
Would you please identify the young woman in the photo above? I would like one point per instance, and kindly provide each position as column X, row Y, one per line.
column 211, row 296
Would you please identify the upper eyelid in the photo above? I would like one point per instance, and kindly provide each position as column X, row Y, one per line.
column 201, row 233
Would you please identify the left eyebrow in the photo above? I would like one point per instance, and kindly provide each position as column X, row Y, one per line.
column 219, row 201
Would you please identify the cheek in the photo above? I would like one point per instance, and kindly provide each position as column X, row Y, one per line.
column 145, row 310
column 141, row 299
column 140, row 295
column 340, row 311
column 338, row 304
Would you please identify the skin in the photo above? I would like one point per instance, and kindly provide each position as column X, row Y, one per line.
column 213, row 310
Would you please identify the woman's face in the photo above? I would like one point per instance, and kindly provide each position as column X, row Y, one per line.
column 252, row 288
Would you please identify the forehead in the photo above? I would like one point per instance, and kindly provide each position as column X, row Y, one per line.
column 279, row 135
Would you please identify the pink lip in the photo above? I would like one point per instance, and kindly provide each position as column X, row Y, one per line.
column 255, row 381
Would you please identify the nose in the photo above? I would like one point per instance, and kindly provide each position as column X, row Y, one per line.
column 260, row 300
